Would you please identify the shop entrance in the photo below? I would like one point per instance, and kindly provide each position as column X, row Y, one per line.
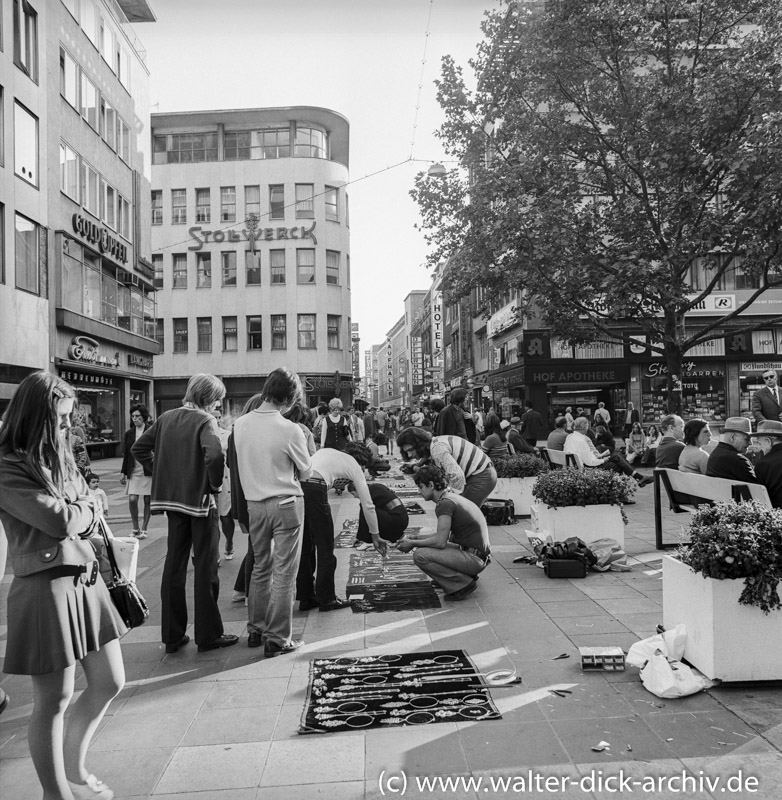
column 562, row 396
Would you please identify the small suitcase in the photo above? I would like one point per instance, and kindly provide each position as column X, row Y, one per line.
column 565, row 568
column 498, row 511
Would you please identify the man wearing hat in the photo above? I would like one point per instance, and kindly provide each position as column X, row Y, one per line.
column 769, row 468
column 727, row 460
column 513, row 435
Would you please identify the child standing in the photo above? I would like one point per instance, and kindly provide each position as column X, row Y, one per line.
column 93, row 481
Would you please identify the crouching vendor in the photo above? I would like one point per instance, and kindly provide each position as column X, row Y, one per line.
column 392, row 518
column 459, row 550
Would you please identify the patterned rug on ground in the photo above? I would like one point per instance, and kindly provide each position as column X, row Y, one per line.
column 393, row 583
column 392, row 690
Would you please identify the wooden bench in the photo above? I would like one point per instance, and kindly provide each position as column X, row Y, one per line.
column 686, row 491
column 558, row 459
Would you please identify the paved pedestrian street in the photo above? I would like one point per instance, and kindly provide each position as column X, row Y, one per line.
column 223, row 724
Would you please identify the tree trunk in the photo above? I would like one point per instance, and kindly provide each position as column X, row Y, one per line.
column 674, row 331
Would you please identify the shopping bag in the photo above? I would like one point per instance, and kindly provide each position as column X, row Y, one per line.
column 669, row 679
column 670, row 643
column 610, row 556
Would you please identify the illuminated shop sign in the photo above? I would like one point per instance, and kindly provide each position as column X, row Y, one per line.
column 83, row 348
column 689, row 369
column 142, row 362
column 98, row 235
column 298, row 232
column 74, row 377
column 311, row 383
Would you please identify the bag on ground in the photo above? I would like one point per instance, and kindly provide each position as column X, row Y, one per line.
column 669, row 678
column 670, row 643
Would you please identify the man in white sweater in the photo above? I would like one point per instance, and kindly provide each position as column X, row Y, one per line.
column 271, row 454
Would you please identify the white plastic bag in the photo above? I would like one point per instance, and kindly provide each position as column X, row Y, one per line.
column 670, row 643
column 669, row 678
column 610, row 556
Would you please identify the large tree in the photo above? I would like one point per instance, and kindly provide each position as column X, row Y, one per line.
column 620, row 159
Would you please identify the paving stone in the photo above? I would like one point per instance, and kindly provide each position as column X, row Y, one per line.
column 317, row 759
column 214, row 767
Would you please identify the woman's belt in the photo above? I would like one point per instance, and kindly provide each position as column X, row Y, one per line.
column 391, row 504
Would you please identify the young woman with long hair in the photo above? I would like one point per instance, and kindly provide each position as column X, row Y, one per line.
column 59, row 610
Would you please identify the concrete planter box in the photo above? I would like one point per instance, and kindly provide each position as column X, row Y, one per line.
column 517, row 489
column 725, row 640
column 589, row 523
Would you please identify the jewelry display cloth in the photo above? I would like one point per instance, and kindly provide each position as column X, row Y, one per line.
column 347, row 536
column 387, row 691
column 414, row 508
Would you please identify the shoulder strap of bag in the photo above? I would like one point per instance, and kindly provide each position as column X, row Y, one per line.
column 103, row 527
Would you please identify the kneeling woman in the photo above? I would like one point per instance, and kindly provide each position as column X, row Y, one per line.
column 392, row 517
column 459, row 550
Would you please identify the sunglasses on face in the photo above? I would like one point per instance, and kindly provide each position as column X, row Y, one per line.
column 769, row 377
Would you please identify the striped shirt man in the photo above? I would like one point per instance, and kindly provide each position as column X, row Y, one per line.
column 458, row 459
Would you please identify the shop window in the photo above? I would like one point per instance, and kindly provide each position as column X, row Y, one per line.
column 277, row 201
column 229, row 268
column 26, row 246
column 69, row 78
column 89, row 102
column 332, row 207
column 254, row 333
column 333, row 323
column 230, row 339
column 90, row 188
column 279, row 332
column 310, row 143
column 599, row 350
column 305, row 266
column 252, row 202
column 157, row 207
column 332, row 267
column 227, row 204
column 204, row 328
column 178, row 206
column 277, row 266
column 305, row 205
column 203, row 206
column 252, row 268
column 108, row 311
column 180, row 334
column 203, row 270
column 157, row 266
column 306, row 331
column 763, row 342
column 160, row 333
column 97, row 412
column 123, row 308
column 69, row 172
column 26, row 38
column 180, row 271
column 25, row 144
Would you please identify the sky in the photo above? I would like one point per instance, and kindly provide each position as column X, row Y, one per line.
column 361, row 58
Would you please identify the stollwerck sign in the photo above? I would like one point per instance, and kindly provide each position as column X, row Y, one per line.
column 297, row 232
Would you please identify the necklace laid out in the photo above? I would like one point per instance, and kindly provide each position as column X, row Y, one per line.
column 399, row 689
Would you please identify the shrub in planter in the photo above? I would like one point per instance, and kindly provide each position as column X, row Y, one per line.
column 589, row 487
column 738, row 540
column 521, row 466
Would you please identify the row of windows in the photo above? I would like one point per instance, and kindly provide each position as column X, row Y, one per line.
column 27, row 247
column 92, row 288
column 274, row 142
column 81, row 93
column 86, row 186
column 304, row 203
column 306, row 333
column 305, row 268
column 102, row 34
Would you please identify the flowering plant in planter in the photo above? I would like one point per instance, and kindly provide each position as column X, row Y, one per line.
column 589, row 487
column 738, row 540
column 523, row 465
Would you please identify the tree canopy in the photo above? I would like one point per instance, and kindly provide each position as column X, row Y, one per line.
column 621, row 160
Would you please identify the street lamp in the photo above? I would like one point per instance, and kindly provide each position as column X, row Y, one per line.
column 437, row 171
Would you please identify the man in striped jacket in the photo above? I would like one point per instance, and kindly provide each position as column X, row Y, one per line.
column 468, row 469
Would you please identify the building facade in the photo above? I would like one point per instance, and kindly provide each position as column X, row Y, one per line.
column 78, row 296
column 251, row 250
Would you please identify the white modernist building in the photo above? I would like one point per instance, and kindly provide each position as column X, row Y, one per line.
column 251, row 250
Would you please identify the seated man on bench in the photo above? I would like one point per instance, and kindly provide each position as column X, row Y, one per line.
column 727, row 460
column 579, row 444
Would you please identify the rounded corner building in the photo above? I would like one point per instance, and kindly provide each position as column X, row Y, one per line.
column 251, row 250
